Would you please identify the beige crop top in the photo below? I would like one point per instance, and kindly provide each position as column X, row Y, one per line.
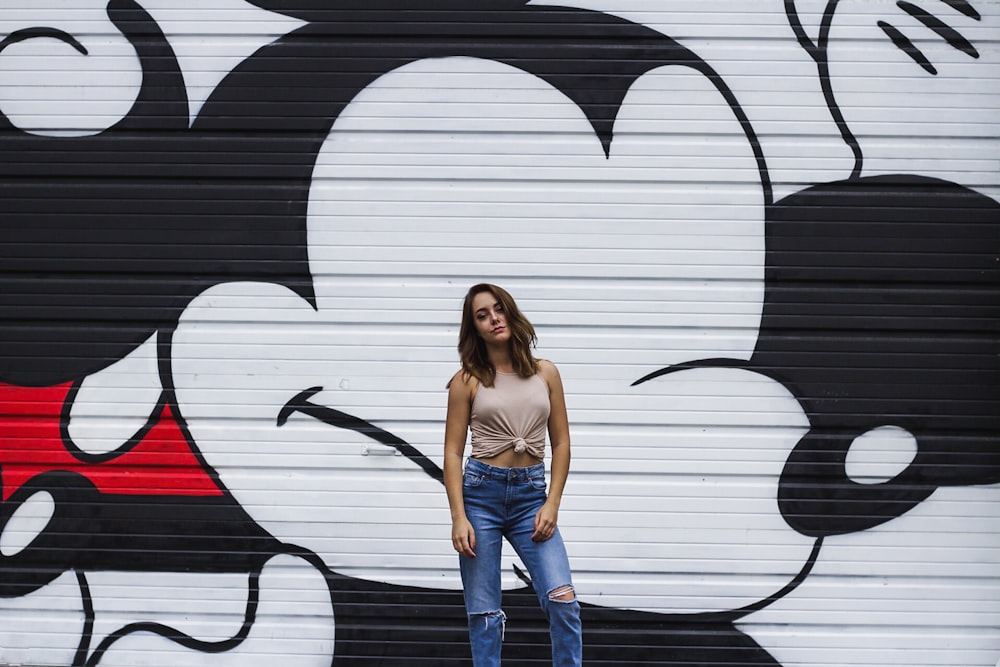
column 514, row 412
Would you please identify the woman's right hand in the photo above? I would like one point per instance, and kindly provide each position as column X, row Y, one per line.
column 463, row 537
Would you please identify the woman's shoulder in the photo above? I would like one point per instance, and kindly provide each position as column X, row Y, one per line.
column 463, row 383
column 546, row 366
column 462, row 378
column 548, row 371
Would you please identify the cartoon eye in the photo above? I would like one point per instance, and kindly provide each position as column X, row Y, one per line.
column 81, row 90
column 939, row 27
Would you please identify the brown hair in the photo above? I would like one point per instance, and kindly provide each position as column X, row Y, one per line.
column 472, row 349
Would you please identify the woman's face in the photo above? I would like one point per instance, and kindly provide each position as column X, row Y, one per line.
column 488, row 315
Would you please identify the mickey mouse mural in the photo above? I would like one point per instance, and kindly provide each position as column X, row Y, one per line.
column 225, row 313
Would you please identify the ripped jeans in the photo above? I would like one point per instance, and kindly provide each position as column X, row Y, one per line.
column 502, row 502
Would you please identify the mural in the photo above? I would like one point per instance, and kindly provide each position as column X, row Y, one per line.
column 180, row 281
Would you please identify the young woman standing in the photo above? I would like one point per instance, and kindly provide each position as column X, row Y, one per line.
column 508, row 399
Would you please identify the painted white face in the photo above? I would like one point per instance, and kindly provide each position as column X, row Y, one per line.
column 624, row 264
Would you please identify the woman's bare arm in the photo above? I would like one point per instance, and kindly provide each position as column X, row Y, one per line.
column 548, row 515
column 463, row 537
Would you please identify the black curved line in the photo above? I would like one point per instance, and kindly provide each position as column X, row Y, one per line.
column 600, row 102
column 744, row 121
column 787, row 588
column 945, row 31
column 127, row 446
column 904, row 44
column 965, row 7
column 823, row 67
column 187, row 641
column 800, row 33
column 165, row 367
column 728, row 95
column 164, row 355
column 319, row 11
column 300, row 403
column 736, row 614
column 329, row 576
column 739, row 364
column 31, row 33
column 83, row 648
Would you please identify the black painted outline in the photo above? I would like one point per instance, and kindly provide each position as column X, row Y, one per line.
column 818, row 52
column 333, row 417
column 34, row 33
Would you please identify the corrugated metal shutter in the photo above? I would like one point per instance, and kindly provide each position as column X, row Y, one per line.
column 760, row 242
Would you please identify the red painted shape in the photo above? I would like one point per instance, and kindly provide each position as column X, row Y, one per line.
column 162, row 463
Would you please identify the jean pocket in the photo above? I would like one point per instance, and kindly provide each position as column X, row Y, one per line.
column 537, row 483
column 472, row 479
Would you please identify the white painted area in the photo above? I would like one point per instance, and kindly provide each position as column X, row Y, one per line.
column 430, row 183
column 747, row 44
column 945, row 125
column 26, row 523
column 493, row 194
column 880, row 454
column 50, row 88
column 168, row 598
column 294, row 619
column 43, row 627
column 372, row 516
column 921, row 591
column 653, row 509
column 114, row 404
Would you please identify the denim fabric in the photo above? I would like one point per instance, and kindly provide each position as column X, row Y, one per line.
column 502, row 502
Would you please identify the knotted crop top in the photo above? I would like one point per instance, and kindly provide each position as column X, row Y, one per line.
column 514, row 412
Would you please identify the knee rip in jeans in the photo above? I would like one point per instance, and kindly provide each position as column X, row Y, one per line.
column 494, row 614
column 563, row 594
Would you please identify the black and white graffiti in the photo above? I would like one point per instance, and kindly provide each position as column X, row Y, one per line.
column 234, row 243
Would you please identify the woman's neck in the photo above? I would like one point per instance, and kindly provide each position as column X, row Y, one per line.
column 501, row 359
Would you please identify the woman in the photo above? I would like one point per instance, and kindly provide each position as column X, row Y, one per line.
column 508, row 399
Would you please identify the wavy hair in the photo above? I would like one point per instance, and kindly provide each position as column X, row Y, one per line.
column 472, row 349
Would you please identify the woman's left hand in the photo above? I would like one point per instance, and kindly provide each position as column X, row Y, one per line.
column 545, row 523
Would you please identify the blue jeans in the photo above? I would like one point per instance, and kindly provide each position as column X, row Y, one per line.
column 502, row 502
